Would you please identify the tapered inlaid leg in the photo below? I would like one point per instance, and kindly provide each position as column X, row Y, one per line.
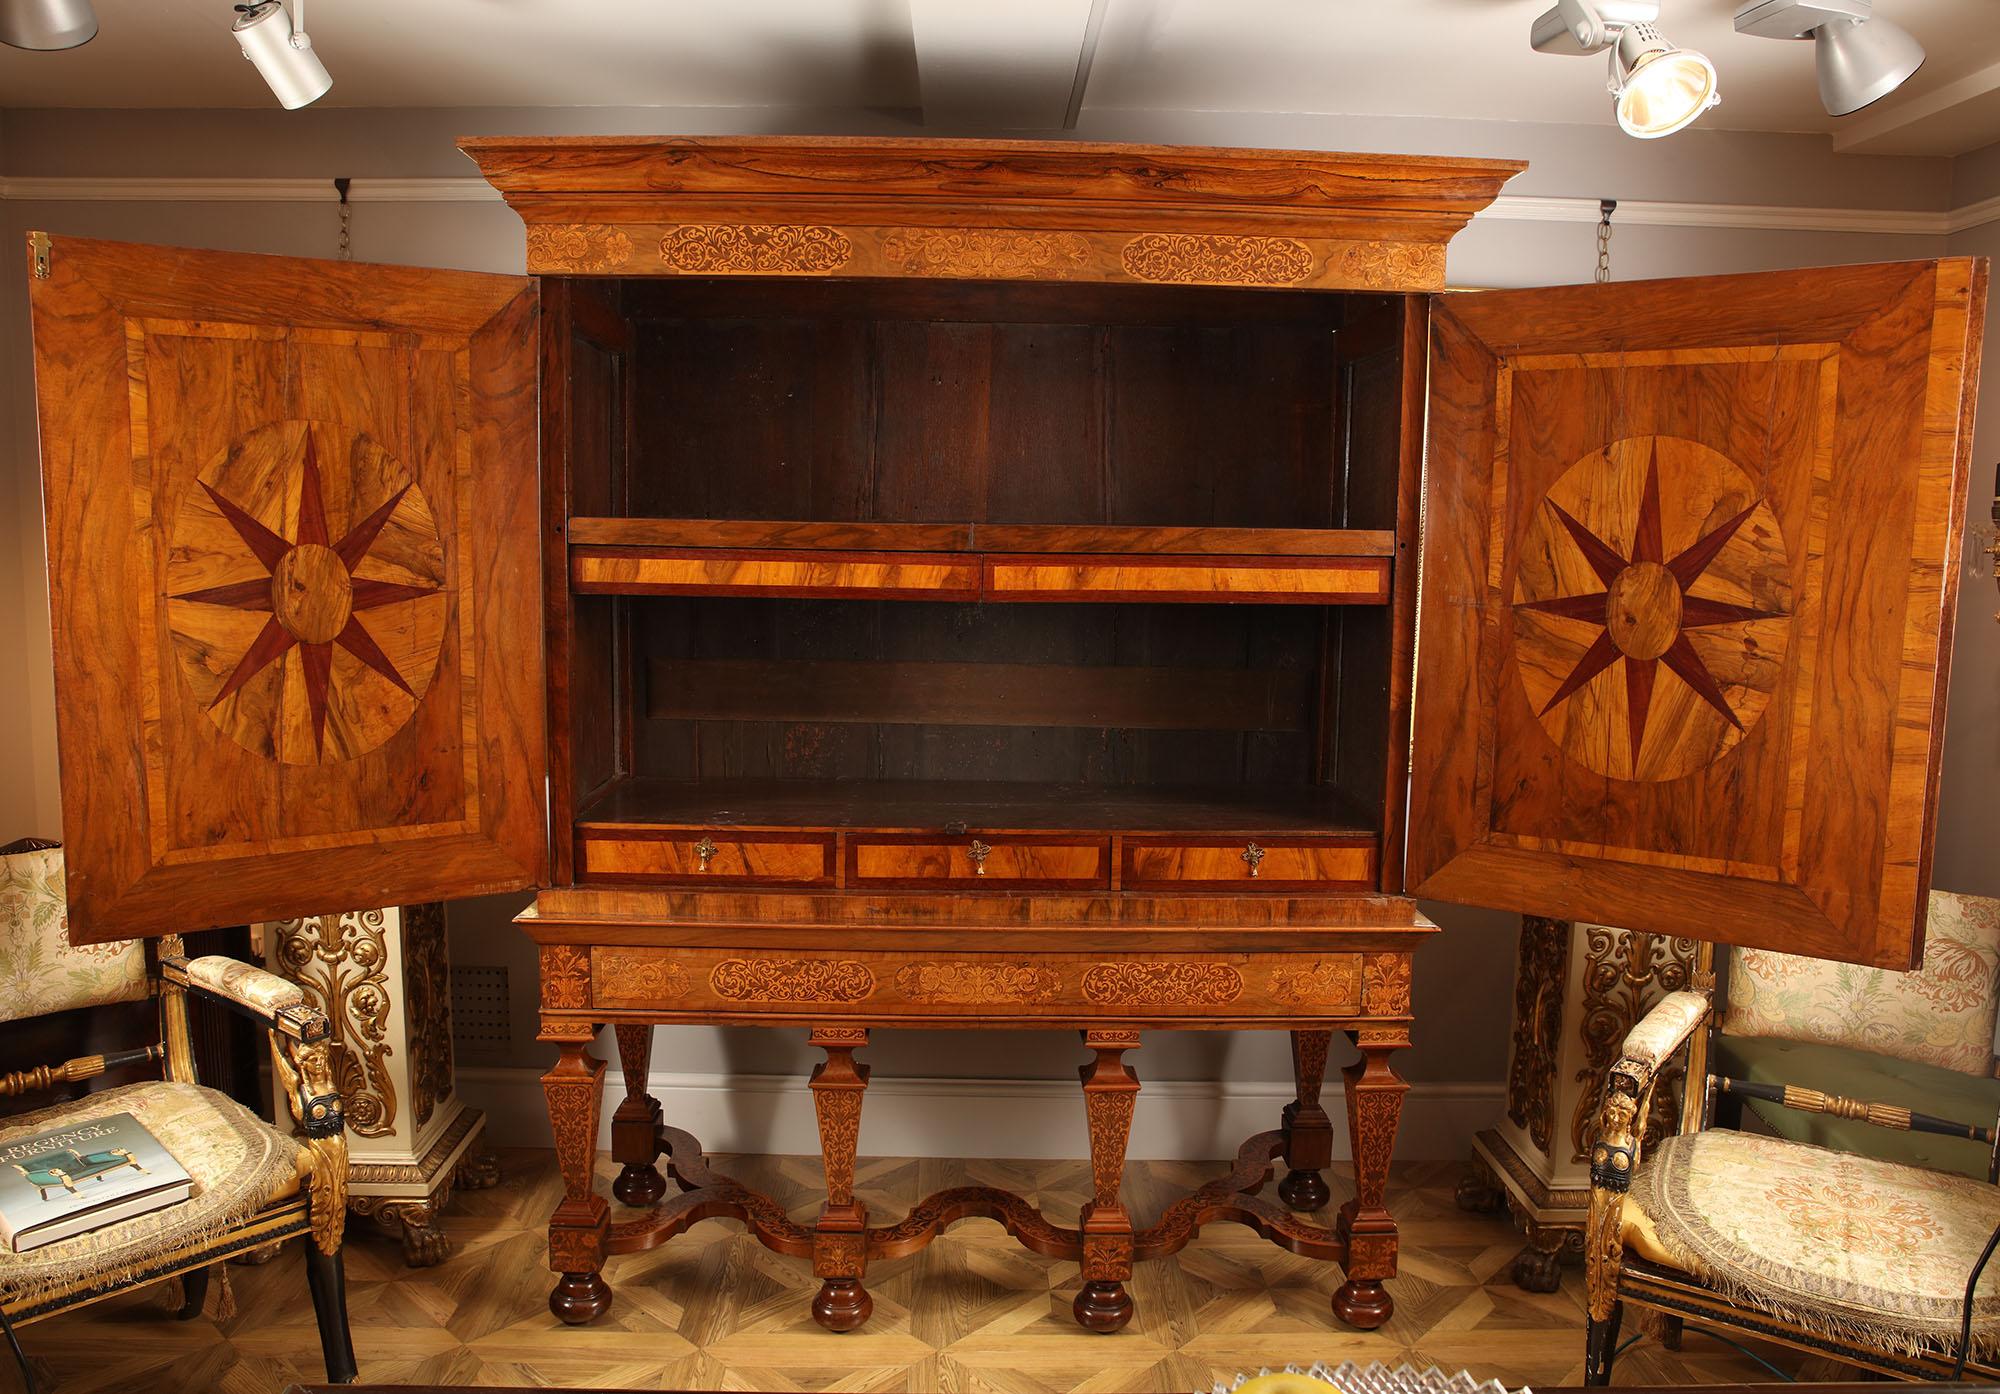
column 635, row 1122
column 840, row 1237
column 1308, row 1131
column 1374, row 1104
column 1110, row 1090
column 581, row 1224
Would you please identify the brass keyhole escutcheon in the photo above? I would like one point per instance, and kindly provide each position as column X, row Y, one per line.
column 1253, row 856
column 705, row 851
column 979, row 852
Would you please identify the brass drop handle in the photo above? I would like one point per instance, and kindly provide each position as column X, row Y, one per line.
column 705, row 851
column 1253, row 855
column 979, row 852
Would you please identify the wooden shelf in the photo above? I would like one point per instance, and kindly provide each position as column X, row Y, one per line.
column 925, row 806
column 1005, row 562
column 759, row 534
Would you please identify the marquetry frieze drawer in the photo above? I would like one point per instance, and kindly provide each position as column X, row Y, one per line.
column 695, row 857
column 921, row 984
column 1281, row 863
column 972, row 862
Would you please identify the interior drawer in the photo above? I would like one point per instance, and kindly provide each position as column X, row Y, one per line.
column 969, row 862
column 693, row 856
column 1277, row 863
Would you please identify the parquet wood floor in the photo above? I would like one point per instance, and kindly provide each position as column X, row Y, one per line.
column 974, row 1312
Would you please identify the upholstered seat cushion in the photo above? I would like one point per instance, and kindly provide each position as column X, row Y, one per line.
column 238, row 1162
column 1851, row 1247
column 1857, row 1074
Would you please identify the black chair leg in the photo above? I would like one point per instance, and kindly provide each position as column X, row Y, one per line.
column 328, row 1280
column 1600, row 1347
column 194, row 1292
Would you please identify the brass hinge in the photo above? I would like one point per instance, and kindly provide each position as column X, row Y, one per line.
column 38, row 243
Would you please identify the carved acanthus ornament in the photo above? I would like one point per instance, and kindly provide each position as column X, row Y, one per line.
column 1393, row 265
column 1385, row 984
column 1331, row 983
column 427, row 1008
column 341, row 962
column 1624, row 974
column 1539, row 984
column 641, row 977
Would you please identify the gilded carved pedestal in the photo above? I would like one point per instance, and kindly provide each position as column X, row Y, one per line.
column 1578, row 988
column 383, row 978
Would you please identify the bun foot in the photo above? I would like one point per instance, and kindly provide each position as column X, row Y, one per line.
column 1363, row 1303
column 1103, row 1307
column 580, row 1298
column 638, row 1185
column 842, row 1304
column 1304, row 1190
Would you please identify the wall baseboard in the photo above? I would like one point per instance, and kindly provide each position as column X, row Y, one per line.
column 1177, row 1120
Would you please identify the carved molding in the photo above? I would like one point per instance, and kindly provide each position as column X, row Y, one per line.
column 967, row 983
column 977, row 253
column 1165, row 984
column 791, row 980
column 1187, row 258
column 1541, row 978
column 580, row 247
column 341, row 962
column 755, row 249
column 565, row 977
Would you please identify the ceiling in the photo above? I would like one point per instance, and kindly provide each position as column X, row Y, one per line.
column 987, row 65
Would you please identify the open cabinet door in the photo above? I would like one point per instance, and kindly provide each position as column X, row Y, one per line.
column 293, row 565
column 1687, row 586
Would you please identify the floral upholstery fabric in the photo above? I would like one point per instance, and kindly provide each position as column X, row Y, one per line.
column 238, row 1162
column 1850, row 1247
column 1661, row 1031
column 1942, row 1014
column 246, row 983
column 40, row 971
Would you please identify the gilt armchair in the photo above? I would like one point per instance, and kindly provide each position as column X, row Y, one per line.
column 1861, row 1259
column 255, row 1185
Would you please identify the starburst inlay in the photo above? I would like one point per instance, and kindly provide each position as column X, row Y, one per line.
column 323, row 535
column 1641, row 600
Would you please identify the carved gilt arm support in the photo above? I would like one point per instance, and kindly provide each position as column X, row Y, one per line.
column 1621, row 1124
column 299, row 1057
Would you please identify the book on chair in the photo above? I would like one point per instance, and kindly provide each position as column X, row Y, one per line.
column 81, row 1177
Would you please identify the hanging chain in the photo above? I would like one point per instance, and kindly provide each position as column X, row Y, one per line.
column 346, row 243
column 1605, row 208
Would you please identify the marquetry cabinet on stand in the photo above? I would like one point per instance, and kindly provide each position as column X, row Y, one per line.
column 874, row 583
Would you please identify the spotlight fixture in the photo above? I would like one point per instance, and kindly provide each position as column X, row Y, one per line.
column 284, row 55
column 47, row 24
column 1656, row 87
column 1861, row 58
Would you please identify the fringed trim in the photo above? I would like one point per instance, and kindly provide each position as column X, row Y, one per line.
column 1906, row 1336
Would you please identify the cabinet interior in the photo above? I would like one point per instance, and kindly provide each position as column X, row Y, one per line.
column 1064, row 431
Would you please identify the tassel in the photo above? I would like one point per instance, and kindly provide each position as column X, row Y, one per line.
column 172, row 1295
column 221, row 1304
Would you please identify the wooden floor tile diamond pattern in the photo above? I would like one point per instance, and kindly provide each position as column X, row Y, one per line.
column 972, row 1314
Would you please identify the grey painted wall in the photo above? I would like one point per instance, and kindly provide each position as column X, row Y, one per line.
column 1462, row 996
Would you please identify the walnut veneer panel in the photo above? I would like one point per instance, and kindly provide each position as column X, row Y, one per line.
column 1078, row 863
column 653, row 855
column 1319, row 581
column 1268, row 864
column 1689, row 577
column 291, row 514
column 718, row 572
